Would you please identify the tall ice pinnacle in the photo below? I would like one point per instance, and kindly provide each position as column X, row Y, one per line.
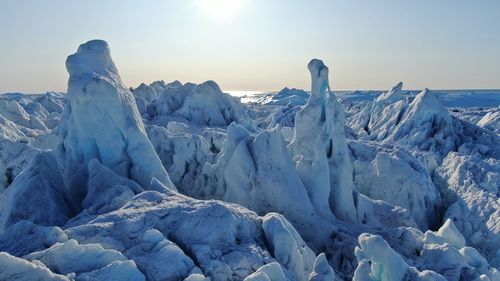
column 102, row 121
column 320, row 149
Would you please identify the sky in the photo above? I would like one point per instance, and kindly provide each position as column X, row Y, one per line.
column 257, row 45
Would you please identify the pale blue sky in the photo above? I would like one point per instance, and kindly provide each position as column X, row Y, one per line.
column 263, row 45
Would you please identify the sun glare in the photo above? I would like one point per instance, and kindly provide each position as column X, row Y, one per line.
column 220, row 9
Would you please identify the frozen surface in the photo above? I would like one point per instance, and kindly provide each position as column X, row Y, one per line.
column 181, row 181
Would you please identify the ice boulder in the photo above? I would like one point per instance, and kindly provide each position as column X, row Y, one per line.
column 422, row 256
column 288, row 247
column 159, row 258
column 426, row 123
column 322, row 271
column 13, row 132
column 283, row 116
column 106, row 191
column 448, row 233
column 204, row 104
column 17, row 269
column 25, row 237
column 52, row 102
column 377, row 261
column 144, row 95
column 70, row 256
column 14, row 112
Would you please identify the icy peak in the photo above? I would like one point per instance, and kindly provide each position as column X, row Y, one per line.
column 427, row 106
column 429, row 100
column 393, row 95
column 173, row 85
column 92, row 59
column 209, row 86
column 319, row 80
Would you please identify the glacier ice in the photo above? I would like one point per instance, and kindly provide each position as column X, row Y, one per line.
column 319, row 145
column 173, row 181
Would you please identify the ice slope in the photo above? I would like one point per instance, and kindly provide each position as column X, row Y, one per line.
column 285, row 96
column 491, row 121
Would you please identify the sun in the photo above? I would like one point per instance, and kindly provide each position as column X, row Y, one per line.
column 220, row 9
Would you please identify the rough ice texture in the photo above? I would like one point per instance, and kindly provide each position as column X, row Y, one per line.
column 100, row 206
column 144, row 95
column 393, row 175
column 421, row 123
column 470, row 188
column 322, row 271
column 268, row 272
column 237, row 249
column 16, row 269
column 491, row 121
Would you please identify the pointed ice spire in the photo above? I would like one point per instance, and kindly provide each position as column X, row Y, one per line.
column 393, row 95
column 428, row 101
column 320, row 149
